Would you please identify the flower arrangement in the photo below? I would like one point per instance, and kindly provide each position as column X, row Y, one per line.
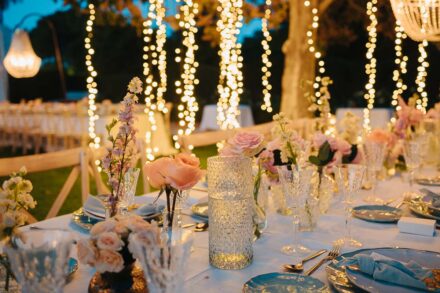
column 173, row 176
column 108, row 249
column 15, row 199
column 121, row 155
column 330, row 151
column 409, row 119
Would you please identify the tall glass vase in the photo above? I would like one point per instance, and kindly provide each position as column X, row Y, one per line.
column 323, row 190
column 231, row 203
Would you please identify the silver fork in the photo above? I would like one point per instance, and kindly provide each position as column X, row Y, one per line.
column 331, row 255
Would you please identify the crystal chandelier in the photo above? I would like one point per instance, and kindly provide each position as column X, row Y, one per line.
column 21, row 60
column 419, row 18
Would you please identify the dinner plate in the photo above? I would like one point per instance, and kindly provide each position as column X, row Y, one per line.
column 421, row 209
column 200, row 209
column 377, row 213
column 82, row 220
column 429, row 181
column 350, row 281
column 284, row 283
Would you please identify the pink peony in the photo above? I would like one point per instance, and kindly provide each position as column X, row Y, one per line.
column 87, row 252
column 248, row 143
column 102, row 227
column 110, row 241
column 274, row 144
column 109, row 261
column 340, row 145
column 379, row 136
column 157, row 171
column 183, row 176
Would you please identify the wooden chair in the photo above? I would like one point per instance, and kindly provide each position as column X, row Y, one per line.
column 198, row 139
column 81, row 160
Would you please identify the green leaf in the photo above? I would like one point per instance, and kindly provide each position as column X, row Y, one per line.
column 324, row 152
column 350, row 157
column 314, row 160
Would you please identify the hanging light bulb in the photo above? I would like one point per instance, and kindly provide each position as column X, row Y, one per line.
column 21, row 60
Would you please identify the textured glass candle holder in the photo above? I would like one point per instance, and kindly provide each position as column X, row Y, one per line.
column 230, row 212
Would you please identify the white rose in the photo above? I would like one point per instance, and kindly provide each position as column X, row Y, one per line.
column 110, row 241
column 109, row 261
column 102, row 227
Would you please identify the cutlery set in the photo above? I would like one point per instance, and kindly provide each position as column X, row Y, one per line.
column 299, row 267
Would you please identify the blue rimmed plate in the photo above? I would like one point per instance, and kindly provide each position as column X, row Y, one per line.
column 284, row 283
column 200, row 209
column 350, row 281
column 377, row 213
column 83, row 221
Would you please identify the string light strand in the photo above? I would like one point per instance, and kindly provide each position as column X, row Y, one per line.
column 401, row 63
column 267, row 104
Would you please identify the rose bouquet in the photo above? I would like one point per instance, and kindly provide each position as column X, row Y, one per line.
column 15, row 201
column 121, row 154
column 108, row 249
column 173, row 176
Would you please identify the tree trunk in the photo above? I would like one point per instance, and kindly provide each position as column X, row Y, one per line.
column 299, row 64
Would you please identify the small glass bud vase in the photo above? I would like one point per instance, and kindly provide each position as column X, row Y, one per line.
column 230, row 185
column 323, row 190
column 308, row 214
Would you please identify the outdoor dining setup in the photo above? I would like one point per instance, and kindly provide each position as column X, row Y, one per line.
column 231, row 151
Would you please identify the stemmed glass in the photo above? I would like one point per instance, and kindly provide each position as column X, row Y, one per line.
column 413, row 153
column 39, row 260
column 163, row 260
column 126, row 198
column 295, row 182
column 349, row 179
column 375, row 155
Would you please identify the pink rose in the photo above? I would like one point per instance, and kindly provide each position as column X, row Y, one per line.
column 87, row 252
column 102, row 227
column 110, row 241
column 249, row 143
column 274, row 144
column 267, row 160
column 415, row 117
column 187, row 159
column 340, row 145
column 379, row 136
column 156, row 171
column 230, row 151
column 109, row 261
column 183, row 176
column 319, row 139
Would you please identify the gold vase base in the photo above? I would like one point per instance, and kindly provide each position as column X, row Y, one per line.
column 130, row 282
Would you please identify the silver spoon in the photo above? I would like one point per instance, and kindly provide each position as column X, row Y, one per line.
column 299, row 267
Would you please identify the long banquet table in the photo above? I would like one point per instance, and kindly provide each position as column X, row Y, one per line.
column 201, row 277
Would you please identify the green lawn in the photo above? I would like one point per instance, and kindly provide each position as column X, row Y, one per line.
column 48, row 184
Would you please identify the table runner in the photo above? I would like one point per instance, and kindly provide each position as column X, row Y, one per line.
column 201, row 277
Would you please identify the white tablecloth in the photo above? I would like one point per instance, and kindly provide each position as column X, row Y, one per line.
column 201, row 277
column 209, row 117
column 379, row 117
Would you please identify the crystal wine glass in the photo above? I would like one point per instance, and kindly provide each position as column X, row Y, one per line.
column 290, row 177
column 349, row 179
column 163, row 260
column 375, row 155
column 413, row 153
column 126, row 198
column 39, row 260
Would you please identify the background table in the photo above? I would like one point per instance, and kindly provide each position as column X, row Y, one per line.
column 201, row 277
column 209, row 117
column 379, row 117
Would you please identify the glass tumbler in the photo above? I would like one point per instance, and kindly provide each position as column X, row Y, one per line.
column 230, row 207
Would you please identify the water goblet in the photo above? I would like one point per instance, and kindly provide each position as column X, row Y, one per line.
column 412, row 152
column 163, row 260
column 39, row 260
column 126, row 198
column 375, row 155
column 290, row 178
column 349, row 180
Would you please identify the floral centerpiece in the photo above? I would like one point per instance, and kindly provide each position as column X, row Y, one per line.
column 409, row 118
column 15, row 201
column 121, row 154
column 108, row 250
column 173, row 176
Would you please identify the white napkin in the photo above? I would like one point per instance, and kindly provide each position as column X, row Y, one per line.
column 94, row 205
column 418, row 226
